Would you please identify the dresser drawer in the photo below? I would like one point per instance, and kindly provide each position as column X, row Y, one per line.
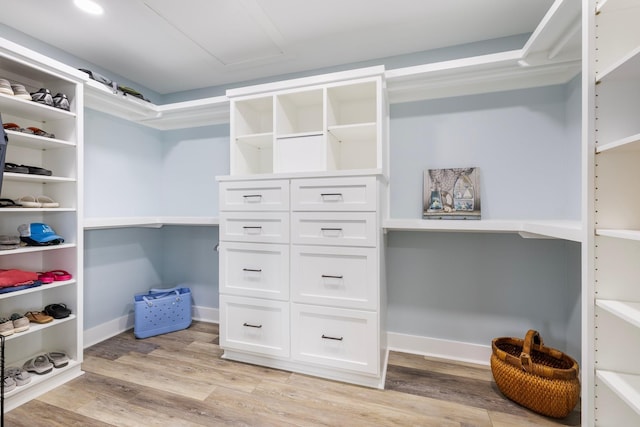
column 258, row 227
column 337, row 276
column 254, row 196
column 339, row 338
column 254, row 325
column 334, row 194
column 256, row 270
column 335, row 228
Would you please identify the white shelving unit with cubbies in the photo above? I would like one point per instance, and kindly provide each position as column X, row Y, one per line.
column 62, row 155
column 331, row 123
column 612, row 267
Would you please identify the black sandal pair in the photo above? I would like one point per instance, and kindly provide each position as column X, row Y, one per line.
column 57, row 311
column 33, row 170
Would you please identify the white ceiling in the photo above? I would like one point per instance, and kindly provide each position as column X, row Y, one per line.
column 170, row 45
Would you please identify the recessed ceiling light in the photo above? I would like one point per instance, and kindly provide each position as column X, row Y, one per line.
column 89, row 6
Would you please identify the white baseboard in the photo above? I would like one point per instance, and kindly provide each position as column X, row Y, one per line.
column 114, row 327
column 435, row 347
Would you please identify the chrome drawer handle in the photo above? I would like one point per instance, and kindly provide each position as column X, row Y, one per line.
column 330, row 229
column 249, row 325
column 338, row 195
column 251, row 197
column 252, row 227
column 327, row 337
column 253, row 270
column 331, row 276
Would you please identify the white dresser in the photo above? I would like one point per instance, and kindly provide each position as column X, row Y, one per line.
column 300, row 275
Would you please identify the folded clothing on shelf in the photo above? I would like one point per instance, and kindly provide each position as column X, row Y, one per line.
column 8, row 242
column 16, row 277
column 39, row 234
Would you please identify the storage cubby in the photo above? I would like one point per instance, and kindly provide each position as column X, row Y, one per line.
column 336, row 126
column 299, row 113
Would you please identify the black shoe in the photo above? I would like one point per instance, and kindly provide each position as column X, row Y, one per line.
column 43, row 96
column 61, row 101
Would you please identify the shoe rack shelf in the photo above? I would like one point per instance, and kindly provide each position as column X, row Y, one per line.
column 63, row 156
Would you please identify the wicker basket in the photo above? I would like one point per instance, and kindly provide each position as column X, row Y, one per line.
column 542, row 379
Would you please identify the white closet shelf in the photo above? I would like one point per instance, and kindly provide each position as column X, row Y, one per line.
column 53, row 285
column 630, row 143
column 188, row 114
column 37, row 249
column 611, row 5
column 626, row 386
column 627, row 67
column 628, row 311
column 34, row 141
column 147, row 222
column 35, row 327
column 567, row 230
column 34, row 110
column 619, row 233
column 558, row 33
column 474, row 75
column 24, row 177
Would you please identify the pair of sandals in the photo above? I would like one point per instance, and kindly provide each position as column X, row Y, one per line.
column 44, row 363
column 50, row 312
column 33, row 170
column 30, row 130
column 43, row 96
column 54, row 276
column 35, row 202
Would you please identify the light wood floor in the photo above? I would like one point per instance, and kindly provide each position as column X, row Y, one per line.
column 178, row 379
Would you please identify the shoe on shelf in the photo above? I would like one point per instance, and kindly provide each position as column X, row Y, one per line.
column 19, row 375
column 61, row 101
column 37, row 317
column 6, row 327
column 19, row 91
column 5, row 87
column 57, row 311
column 20, row 323
column 9, row 383
column 43, row 96
column 59, row 359
column 40, row 132
column 28, row 202
column 39, row 365
column 47, row 202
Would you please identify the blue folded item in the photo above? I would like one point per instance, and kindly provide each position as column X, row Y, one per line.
column 8, row 289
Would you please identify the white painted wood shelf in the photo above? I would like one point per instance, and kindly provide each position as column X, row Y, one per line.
column 179, row 115
column 625, row 386
column 627, row 311
column 567, row 230
column 147, row 222
column 619, row 233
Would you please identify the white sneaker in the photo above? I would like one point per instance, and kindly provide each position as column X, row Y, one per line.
column 5, row 87
column 19, row 91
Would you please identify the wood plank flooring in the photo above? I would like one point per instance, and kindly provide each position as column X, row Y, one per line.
column 179, row 379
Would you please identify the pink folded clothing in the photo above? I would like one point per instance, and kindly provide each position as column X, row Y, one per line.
column 14, row 277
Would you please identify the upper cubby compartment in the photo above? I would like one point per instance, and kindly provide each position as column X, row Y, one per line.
column 326, row 123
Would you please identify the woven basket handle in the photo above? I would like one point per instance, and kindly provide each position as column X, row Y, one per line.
column 532, row 338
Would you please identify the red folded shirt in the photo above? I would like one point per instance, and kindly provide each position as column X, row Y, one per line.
column 16, row 277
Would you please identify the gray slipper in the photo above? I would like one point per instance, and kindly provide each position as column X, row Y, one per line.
column 20, row 376
column 9, row 384
column 58, row 358
column 38, row 365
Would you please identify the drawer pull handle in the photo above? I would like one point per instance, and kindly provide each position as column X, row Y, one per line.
column 249, row 325
column 327, row 337
column 323, row 195
column 253, row 270
column 331, row 276
column 330, row 229
column 252, row 226
column 251, row 197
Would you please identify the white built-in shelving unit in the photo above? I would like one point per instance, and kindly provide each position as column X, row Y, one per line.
column 612, row 265
column 61, row 155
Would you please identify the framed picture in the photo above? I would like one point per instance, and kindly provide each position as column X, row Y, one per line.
column 451, row 193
